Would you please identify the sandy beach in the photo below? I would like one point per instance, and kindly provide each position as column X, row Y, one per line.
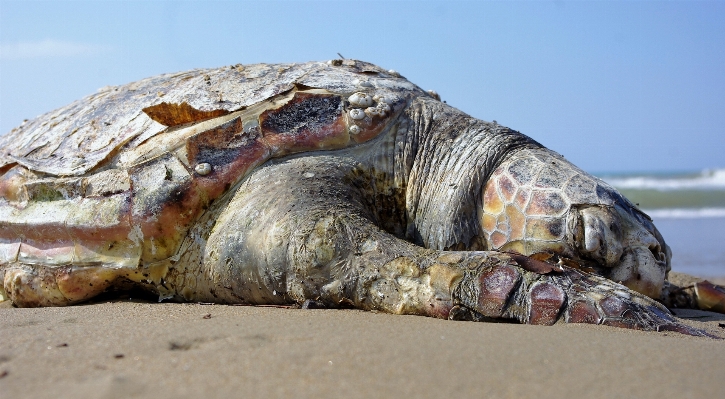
column 124, row 349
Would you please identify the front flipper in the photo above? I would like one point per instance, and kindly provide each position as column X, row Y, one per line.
column 507, row 291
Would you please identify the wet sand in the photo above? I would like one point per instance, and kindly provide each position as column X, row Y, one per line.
column 126, row 349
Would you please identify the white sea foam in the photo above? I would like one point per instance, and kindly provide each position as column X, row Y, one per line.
column 708, row 179
column 685, row 213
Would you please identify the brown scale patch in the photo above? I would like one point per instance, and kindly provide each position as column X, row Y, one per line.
column 498, row 239
column 583, row 312
column 545, row 229
column 507, row 187
column 546, row 301
column 178, row 114
column 502, row 223
column 492, row 203
column 308, row 121
column 497, row 284
column 522, row 197
column 517, row 222
column 546, row 203
column 489, row 223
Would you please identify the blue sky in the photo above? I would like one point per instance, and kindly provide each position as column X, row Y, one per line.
column 613, row 86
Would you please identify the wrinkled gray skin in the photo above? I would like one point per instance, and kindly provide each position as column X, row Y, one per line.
column 368, row 228
column 397, row 224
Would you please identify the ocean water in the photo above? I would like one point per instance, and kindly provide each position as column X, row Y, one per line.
column 689, row 211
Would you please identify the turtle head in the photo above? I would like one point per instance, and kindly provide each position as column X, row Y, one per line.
column 536, row 202
column 626, row 242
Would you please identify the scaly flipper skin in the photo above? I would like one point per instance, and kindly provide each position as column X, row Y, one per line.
column 336, row 182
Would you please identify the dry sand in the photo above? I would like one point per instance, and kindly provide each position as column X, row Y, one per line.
column 125, row 349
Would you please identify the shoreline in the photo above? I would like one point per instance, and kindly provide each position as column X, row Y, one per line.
column 128, row 348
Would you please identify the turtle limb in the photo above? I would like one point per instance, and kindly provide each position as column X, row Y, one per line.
column 38, row 285
column 693, row 293
column 321, row 242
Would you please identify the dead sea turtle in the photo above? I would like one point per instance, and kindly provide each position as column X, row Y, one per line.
column 338, row 182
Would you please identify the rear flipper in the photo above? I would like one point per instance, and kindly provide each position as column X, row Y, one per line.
column 508, row 291
column 38, row 285
column 710, row 296
column 688, row 292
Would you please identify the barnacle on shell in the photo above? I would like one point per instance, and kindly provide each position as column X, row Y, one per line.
column 360, row 100
column 203, row 168
column 357, row 114
column 354, row 129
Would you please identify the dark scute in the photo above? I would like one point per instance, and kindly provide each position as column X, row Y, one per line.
column 220, row 145
column 303, row 112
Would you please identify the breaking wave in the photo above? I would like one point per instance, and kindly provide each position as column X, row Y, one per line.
column 675, row 195
column 708, row 179
column 685, row 213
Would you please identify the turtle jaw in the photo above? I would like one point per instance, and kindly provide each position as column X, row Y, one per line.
column 640, row 271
